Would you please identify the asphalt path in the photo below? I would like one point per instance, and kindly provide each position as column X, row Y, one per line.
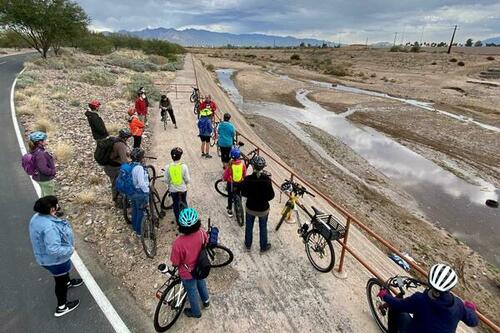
column 27, row 299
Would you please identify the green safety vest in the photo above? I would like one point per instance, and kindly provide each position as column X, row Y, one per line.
column 206, row 112
column 175, row 172
column 237, row 171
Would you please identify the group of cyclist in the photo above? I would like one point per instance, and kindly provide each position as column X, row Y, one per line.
column 434, row 310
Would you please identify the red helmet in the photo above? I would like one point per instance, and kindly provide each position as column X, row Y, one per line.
column 94, row 104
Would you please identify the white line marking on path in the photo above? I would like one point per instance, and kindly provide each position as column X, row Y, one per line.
column 96, row 292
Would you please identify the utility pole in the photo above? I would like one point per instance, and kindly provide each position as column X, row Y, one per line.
column 452, row 37
column 395, row 36
column 366, row 42
column 422, row 35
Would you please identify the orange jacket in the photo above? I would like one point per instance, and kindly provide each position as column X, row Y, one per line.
column 136, row 126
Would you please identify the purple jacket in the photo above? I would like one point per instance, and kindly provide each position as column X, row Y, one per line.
column 45, row 166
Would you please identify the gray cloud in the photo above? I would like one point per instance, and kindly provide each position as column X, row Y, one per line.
column 348, row 21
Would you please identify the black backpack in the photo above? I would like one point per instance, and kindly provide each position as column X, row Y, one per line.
column 203, row 265
column 104, row 149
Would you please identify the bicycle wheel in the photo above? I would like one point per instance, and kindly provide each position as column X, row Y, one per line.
column 155, row 206
column 319, row 251
column 238, row 209
column 170, row 306
column 151, row 171
column 166, row 201
column 219, row 255
column 148, row 236
column 221, row 187
column 127, row 209
column 377, row 306
column 286, row 212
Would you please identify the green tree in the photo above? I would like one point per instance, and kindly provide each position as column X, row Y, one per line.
column 468, row 43
column 43, row 23
column 9, row 38
column 478, row 43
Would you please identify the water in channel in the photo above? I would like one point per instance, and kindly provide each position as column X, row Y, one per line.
column 446, row 199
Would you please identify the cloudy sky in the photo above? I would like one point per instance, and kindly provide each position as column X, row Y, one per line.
column 350, row 21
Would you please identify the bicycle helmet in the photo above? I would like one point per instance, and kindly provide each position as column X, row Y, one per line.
column 442, row 277
column 227, row 116
column 137, row 154
column 94, row 104
column 176, row 153
column 235, row 153
column 124, row 133
column 37, row 136
column 188, row 217
column 287, row 187
column 258, row 163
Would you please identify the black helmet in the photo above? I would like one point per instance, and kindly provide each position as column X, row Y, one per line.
column 137, row 154
column 124, row 133
column 227, row 116
column 258, row 163
column 176, row 153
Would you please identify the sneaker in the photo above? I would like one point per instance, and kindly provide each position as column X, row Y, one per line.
column 247, row 248
column 203, row 154
column 187, row 312
column 175, row 126
column 68, row 307
column 267, row 248
column 208, row 156
column 230, row 212
column 206, row 304
column 73, row 283
column 162, row 119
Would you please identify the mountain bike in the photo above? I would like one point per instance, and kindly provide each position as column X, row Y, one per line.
column 318, row 234
column 165, row 118
column 196, row 108
column 195, row 95
column 385, row 318
column 172, row 295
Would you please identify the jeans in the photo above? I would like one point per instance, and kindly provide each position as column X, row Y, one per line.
column 139, row 202
column 193, row 288
column 178, row 199
column 262, row 230
column 399, row 322
column 232, row 190
column 112, row 172
column 47, row 187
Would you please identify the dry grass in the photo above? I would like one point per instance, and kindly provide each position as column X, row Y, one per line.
column 95, row 180
column 20, row 96
column 113, row 128
column 43, row 124
column 63, row 151
column 86, row 197
column 24, row 109
column 116, row 104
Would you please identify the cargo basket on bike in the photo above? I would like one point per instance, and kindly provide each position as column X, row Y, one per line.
column 329, row 226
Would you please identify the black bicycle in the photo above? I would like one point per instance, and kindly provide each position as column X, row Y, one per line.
column 385, row 318
column 195, row 95
column 318, row 234
column 165, row 117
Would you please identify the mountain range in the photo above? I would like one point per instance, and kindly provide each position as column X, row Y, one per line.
column 195, row 37
column 494, row 40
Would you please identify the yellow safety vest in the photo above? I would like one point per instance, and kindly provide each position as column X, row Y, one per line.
column 237, row 171
column 206, row 112
column 175, row 172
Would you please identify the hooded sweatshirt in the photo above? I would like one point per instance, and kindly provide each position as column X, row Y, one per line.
column 440, row 315
column 97, row 126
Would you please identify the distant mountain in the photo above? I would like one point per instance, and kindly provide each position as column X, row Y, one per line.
column 381, row 44
column 194, row 37
column 494, row 40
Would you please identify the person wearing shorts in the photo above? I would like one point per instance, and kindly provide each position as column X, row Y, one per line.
column 226, row 134
column 205, row 131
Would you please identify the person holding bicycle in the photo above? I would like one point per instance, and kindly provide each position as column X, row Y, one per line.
column 434, row 310
column 184, row 255
column 205, row 131
column 234, row 175
column 140, row 180
column 166, row 106
column 176, row 178
column 226, row 134
column 258, row 189
column 208, row 103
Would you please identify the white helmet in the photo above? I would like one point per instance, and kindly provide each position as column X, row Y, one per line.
column 442, row 277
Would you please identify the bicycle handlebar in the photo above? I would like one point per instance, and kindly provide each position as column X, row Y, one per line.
column 150, row 157
column 296, row 188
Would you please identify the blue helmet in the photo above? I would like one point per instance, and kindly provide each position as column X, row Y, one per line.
column 235, row 153
column 188, row 217
column 37, row 136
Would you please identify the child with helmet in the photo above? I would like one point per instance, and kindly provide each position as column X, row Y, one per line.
column 177, row 178
column 234, row 175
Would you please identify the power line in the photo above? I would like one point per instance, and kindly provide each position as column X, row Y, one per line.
column 395, row 36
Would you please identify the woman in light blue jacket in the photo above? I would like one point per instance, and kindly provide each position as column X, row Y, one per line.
column 53, row 245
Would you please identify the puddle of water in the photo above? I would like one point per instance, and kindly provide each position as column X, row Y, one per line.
column 446, row 199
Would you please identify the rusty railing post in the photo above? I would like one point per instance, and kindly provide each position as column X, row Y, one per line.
column 344, row 244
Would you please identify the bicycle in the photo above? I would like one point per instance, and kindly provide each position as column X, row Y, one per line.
column 195, row 95
column 165, row 118
column 318, row 234
column 172, row 295
column 384, row 317
column 215, row 136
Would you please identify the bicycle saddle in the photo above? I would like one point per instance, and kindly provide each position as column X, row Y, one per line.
column 317, row 211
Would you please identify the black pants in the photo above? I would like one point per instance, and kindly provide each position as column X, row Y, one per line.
column 137, row 141
column 179, row 201
column 61, row 288
column 232, row 190
column 170, row 113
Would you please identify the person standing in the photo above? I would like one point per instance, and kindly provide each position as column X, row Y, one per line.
column 140, row 180
column 118, row 156
column 166, row 106
column 43, row 163
column 177, row 178
column 205, row 131
column 136, row 128
column 258, row 189
column 234, row 176
column 141, row 106
column 96, row 123
column 208, row 103
column 226, row 135
column 184, row 255
column 53, row 244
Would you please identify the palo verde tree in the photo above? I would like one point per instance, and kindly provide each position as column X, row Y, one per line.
column 44, row 23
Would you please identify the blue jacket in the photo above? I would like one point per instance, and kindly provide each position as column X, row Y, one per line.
column 51, row 238
column 205, row 126
column 433, row 315
column 226, row 133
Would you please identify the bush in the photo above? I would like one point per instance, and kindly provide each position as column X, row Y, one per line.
column 337, row 70
column 99, row 76
column 395, row 48
column 114, row 128
column 75, row 103
column 86, row 197
column 415, row 48
column 490, row 58
column 251, row 56
column 453, row 60
column 461, row 63
column 25, row 80
column 210, row 67
column 96, row 43
column 141, row 80
column 295, row 57
column 50, row 63
column 63, row 151
column 137, row 65
column 158, row 60
column 434, row 63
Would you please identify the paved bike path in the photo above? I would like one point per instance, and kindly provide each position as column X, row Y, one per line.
column 27, row 299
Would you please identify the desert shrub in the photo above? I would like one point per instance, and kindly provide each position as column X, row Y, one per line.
column 434, row 63
column 453, row 60
column 337, row 70
column 158, row 60
column 113, row 128
column 75, row 103
column 142, row 80
column 86, row 197
column 415, row 48
column 95, row 179
column 490, row 58
column 19, row 96
column 63, row 151
column 99, row 76
column 461, row 63
column 50, row 63
column 395, row 48
column 96, row 43
column 25, row 80
column 137, row 65
column 251, row 56
column 210, row 67
column 294, row 57
column 373, row 75
column 43, row 124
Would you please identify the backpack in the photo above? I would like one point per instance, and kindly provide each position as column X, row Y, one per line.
column 124, row 182
column 103, row 150
column 203, row 265
column 28, row 164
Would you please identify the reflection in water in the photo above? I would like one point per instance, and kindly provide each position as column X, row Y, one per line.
column 446, row 199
